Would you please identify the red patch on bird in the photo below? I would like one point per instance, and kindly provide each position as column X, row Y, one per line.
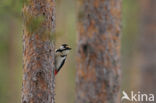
column 55, row 72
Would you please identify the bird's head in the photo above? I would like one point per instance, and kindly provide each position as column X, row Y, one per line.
column 64, row 49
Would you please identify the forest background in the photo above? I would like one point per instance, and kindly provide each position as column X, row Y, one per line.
column 11, row 31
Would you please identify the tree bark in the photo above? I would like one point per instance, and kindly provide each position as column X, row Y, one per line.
column 147, row 46
column 98, row 63
column 38, row 51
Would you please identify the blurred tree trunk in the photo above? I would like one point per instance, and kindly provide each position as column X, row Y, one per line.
column 98, row 64
column 38, row 51
column 148, row 46
column 12, row 63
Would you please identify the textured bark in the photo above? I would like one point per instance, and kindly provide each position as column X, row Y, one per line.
column 38, row 51
column 98, row 68
column 148, row 46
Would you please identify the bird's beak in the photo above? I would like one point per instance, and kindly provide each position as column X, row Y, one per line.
column 69, row 48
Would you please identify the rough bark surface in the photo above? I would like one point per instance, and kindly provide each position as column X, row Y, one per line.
column 148, row 46
column 98, row 68
column 38, row 51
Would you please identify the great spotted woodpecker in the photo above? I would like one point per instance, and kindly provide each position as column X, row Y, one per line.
column 60, row 57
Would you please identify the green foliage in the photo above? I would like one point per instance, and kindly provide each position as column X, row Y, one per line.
column 10, row 16
column 130, row 33
column 11, row 7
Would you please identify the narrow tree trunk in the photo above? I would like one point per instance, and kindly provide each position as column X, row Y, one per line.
column 12, row 63
column 38, row 51
column 98, row 67
column 148, row 46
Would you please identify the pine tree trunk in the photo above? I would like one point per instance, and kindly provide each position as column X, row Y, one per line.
column 12, row 63
column 148, row 46
column 98, row 60
column 38, row 51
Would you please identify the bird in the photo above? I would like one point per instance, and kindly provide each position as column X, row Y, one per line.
column 60, row 57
